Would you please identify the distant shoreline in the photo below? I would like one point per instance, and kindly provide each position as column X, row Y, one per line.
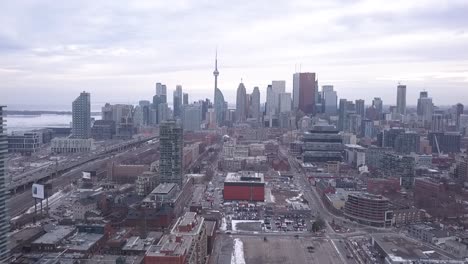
column 42, row 112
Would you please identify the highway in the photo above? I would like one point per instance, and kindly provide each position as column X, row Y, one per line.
column 35, row 175
column 21, row 202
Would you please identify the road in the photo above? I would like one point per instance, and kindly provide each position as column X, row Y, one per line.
column 21, row 202
column 35, row 175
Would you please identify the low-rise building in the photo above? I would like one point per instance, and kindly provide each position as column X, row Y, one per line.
column 50, row 241
column 368, row 209
column 398, row 249
column 72, row 145
column 245, row 185
column 24, row 142
column 186, row 243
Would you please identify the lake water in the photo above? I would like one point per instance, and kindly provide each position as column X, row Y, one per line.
column 29, row 122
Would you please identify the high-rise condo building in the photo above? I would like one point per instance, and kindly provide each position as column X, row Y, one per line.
column 171, row 147
column 4, row 219
column 81, row 120
column 178, row 97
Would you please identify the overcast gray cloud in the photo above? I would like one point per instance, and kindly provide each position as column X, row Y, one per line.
column 117, row 50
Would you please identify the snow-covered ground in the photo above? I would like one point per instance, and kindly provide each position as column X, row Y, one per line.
column 270, row 198
column 235, row 222
column 238, row 253
column 52, row 200
column 294, row 199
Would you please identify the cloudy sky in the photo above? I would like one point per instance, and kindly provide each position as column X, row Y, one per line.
column 118, row 50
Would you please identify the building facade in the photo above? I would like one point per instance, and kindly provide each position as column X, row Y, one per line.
column 304, row 89
column 401, row 100
column 81, row 116
column 368, row 209
column 171, row 147
column 4, row 219
column 241, row 104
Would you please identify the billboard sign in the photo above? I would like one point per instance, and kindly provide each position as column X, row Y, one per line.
column 38, row 191
column 86, row 175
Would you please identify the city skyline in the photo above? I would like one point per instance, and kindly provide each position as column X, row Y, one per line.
column 367, row 50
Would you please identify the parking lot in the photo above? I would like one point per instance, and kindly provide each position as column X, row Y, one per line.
column 278, row 249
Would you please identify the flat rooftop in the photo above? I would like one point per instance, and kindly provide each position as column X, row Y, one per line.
column 84, row 241
column 366, row 195
column 56, row 235
column 400, row 248
column 170, row 246
column 135, row 243
column 245, row 176
column 164, row 188
column 355, row 146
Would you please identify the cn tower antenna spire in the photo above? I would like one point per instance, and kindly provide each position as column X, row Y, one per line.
column 216, row 72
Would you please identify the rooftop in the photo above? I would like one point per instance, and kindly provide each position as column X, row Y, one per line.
column 245, row 176
column 170, row 245
column 164, row 188
column 55, row 236
column 401, row 248
column 84, row 241
column 355, row 146
column 188, row 224
column 135, row 243
column 368, row 196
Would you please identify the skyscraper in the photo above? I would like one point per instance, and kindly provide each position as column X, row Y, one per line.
column 4, row 219
column 425, row 108
column 459, row 109
column 255, row 103
column 171, row 146
column 329, row 99
column 273, row 93
column 177, row 100
column 422, row 95
column 192, row 117
column 401, row 99
column 360, row 107
column 185, row 101
column 437, row 123
column 241, row 104
column 81, row 111
column 304, row 87
column 378, row 105
column 161, row 92
column 285, row 102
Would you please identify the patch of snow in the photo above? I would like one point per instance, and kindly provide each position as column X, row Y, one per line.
column 270, row 198
column 52, row 200
column 223, row 224
column 237, row 256
column 235, row 222
column 294, row 199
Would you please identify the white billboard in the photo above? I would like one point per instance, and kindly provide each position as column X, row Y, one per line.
column 38, row 191
column 86, row 175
